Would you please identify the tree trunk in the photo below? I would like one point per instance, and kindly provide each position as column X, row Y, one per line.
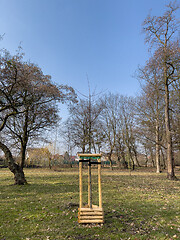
column 111, row 164
column 122, row 162
column 163, row 159
column 152, row 157
column 50, row 166
column 14, row 168
column 119, row 162
column 146, row 161
column 24, row 139
column 146, row 156
column 23, row 155
column 158, row 168
column 136, row 162
column 94, row 147
column 132, row 165
column 83, row 148
column 110, row 160
column 170, row 164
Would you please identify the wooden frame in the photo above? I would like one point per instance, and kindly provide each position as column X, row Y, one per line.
column 90, row 213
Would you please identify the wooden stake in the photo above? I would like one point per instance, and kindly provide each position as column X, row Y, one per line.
column 80, row 185
column 89, row 186
column 99, row 184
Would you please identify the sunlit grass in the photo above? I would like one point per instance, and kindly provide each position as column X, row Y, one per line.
column 138, row 206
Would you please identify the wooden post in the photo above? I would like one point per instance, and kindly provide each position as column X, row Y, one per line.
column 99, row 184
column 80, row 185
column 89, row 186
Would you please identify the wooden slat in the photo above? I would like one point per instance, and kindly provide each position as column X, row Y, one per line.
column 91, row 214
column 89, row 187
column 91, row 221
column 90, row 209
column 99, row 185
column 80, row 185
column 90, row 217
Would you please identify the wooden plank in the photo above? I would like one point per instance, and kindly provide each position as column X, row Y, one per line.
column 91, row 221
column 99, row 185
column 89, row 187
column 80, row 185
column 91, row 214
column 90, row 217
column 90, row 209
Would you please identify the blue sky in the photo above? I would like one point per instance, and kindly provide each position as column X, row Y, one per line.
column 70, row 39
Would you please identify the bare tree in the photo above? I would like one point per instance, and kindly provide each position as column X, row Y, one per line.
column 117, row 120
column 175, row 117
column 83, row 123
column 39, row 99
column 161, row 32
column 150, row 105
column 68, row 137
column 28, row 104
column 128, row 130
column 77, row 126
column 9, row 106
column 109, row 120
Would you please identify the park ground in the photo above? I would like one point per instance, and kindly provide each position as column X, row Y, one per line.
column 137, row 205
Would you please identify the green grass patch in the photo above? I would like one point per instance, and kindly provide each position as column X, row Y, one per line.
column 138, row 206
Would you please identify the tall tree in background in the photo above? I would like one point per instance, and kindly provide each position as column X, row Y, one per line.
column 68, row 137
column 117, row 120
column 150, row 107
column 77, row 126
column 83, row 123
column 109, row 121
column 175, row 105
column 160, row 33
column 128, row 130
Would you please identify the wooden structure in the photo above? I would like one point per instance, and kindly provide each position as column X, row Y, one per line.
column 90, row 213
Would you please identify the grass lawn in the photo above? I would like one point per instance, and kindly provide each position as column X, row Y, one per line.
column 141, row 206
